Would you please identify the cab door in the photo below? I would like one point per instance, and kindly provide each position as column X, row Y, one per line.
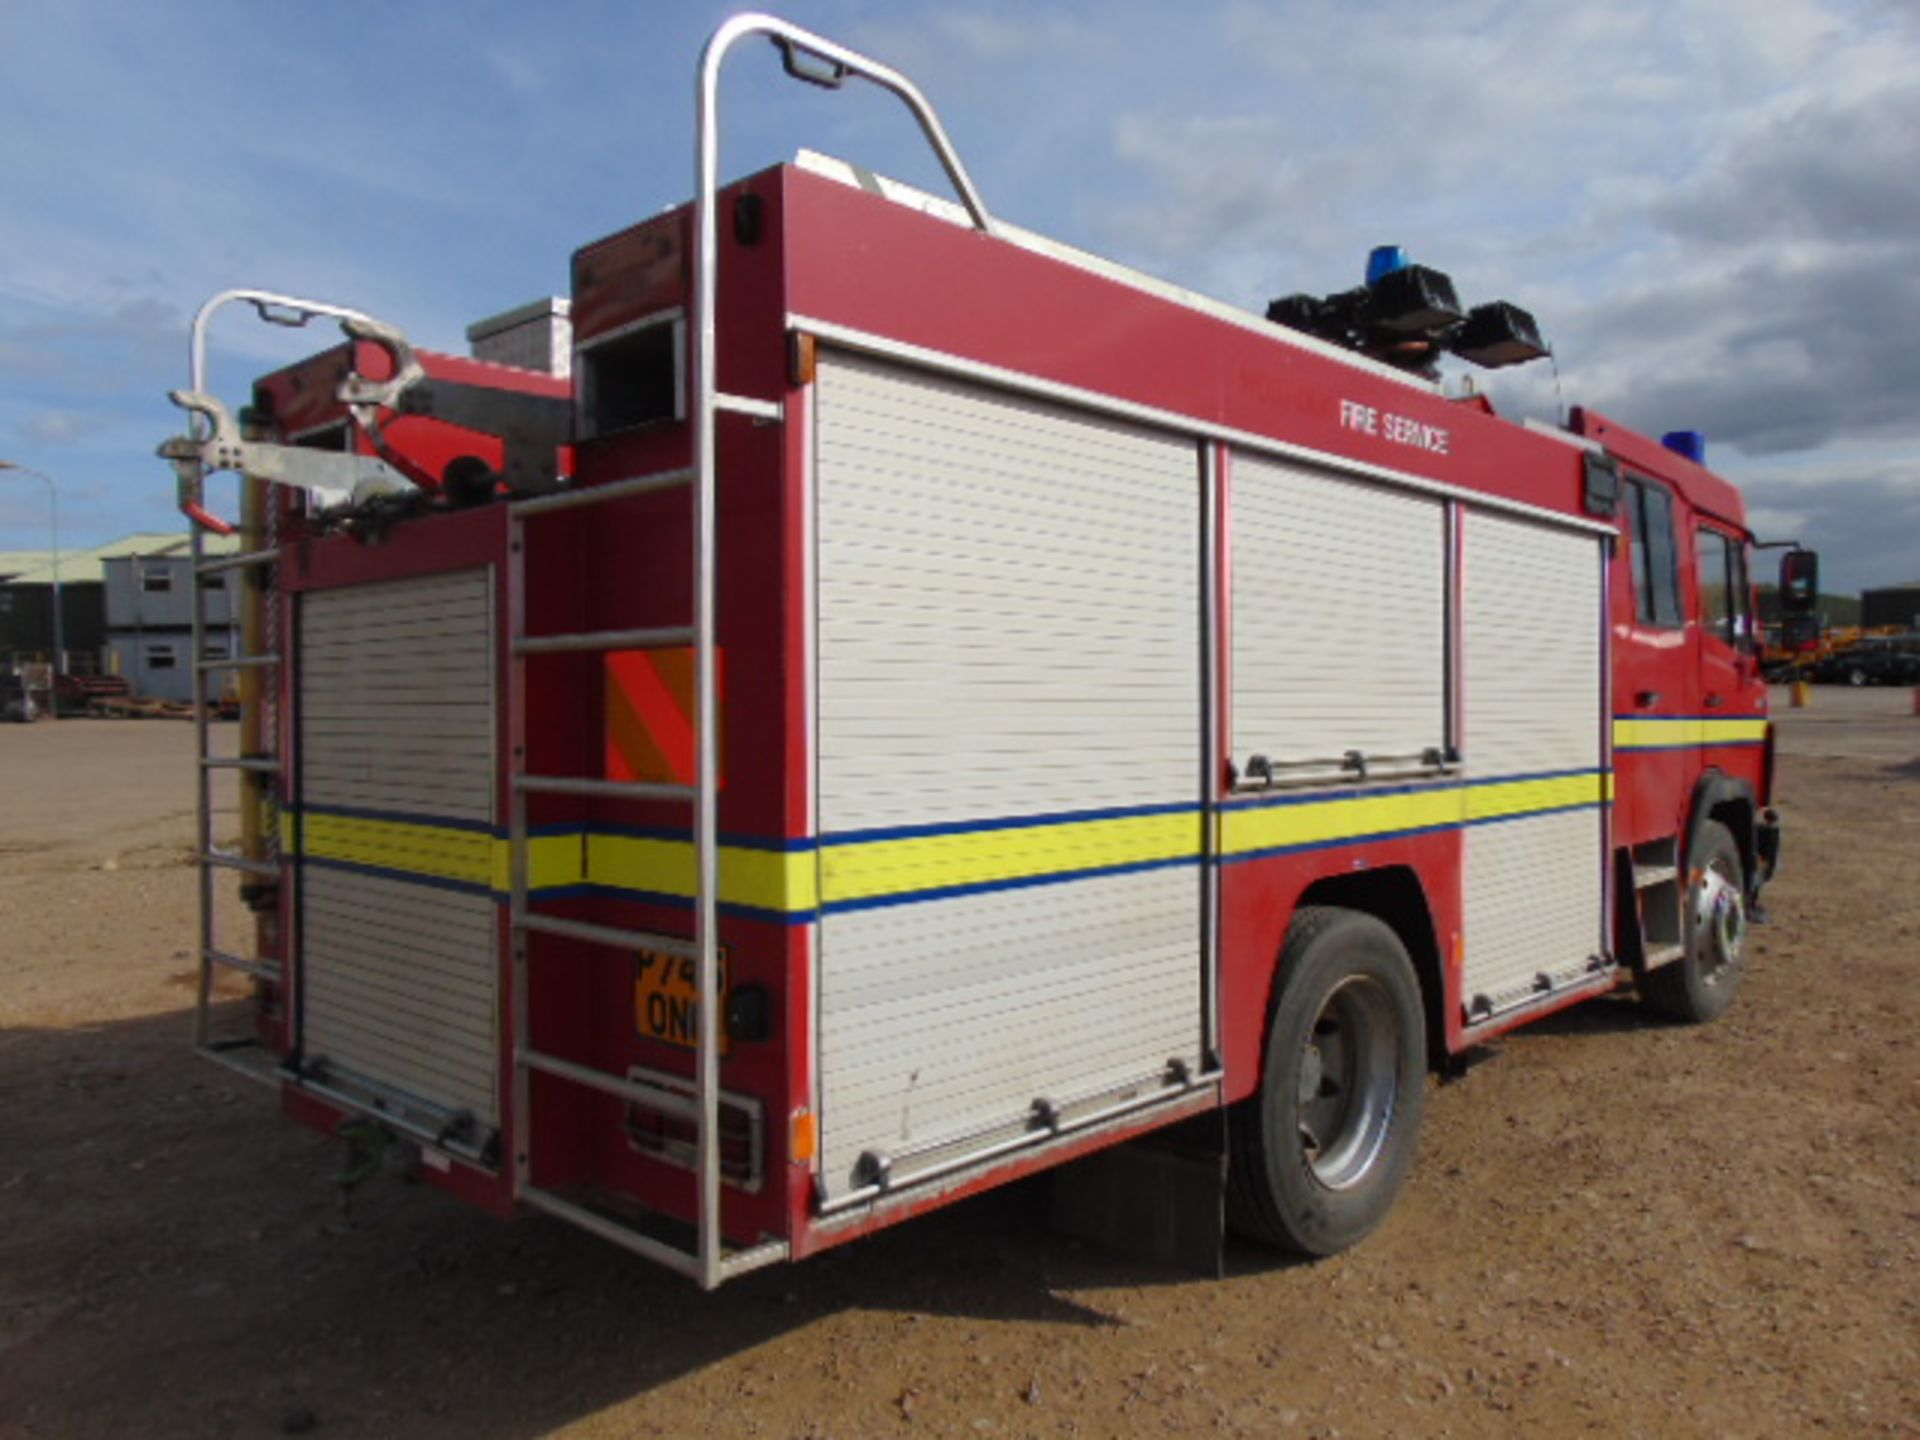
column 1655, row 676
column 1728, row 665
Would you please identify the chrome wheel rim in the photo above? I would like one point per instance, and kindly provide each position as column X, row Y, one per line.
column 1720, row 922
column 1348, row 1082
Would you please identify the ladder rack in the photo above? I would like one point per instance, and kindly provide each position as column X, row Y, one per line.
column 708, row 1261
column 264, row 770
column 260, row 553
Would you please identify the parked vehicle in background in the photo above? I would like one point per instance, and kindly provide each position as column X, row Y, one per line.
column 16, row 700
column 1873, row 660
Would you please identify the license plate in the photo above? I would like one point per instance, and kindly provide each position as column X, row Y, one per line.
column 666, row 998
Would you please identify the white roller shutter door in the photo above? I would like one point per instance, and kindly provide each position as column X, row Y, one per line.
column 1532, row 599
column 396, row 716
column 1008, row 628
column 1339, row 617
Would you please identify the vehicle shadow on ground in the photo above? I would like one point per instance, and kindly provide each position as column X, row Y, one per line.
column 175, row 1259
column 1602, row 1015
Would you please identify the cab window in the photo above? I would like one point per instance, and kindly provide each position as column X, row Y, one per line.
column 1720, row 562
column 1656, row 576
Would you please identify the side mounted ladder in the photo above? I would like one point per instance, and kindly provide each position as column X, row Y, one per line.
column 260, row 772
column 259, row 764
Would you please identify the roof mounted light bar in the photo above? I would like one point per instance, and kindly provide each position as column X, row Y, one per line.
column 1407, row 315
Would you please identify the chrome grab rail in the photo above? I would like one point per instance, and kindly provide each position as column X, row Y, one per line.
column 794, row 43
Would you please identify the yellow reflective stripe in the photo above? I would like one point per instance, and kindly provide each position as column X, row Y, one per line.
column 1247, row 828
column 1658, row 733
column 552, row 862
column 1523, row 797
column 776, row 880
column 1251, row 828
column 801, row 881
column 868, row 869
column 435, row 850
column 1720, row 732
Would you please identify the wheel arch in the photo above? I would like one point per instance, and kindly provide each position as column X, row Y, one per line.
column 1731, row 801
column 1394, row 895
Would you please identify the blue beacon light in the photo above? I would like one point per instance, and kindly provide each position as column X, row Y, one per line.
column 1690, row 443
column 1383, row 260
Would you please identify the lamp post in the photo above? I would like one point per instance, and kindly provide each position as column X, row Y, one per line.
column 59, row 632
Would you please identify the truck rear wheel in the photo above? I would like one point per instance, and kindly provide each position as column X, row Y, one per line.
column 1700, row 985
column 1321, row 1149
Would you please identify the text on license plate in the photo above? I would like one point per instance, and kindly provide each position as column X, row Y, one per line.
column 666, row 998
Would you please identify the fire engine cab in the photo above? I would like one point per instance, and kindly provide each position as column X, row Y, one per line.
column 923, row 704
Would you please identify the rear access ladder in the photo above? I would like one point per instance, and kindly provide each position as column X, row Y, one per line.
column 709, row 1262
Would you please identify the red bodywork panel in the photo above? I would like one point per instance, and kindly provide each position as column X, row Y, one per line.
column 831, row 258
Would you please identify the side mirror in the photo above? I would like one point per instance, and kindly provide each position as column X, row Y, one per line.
column 1799, row 582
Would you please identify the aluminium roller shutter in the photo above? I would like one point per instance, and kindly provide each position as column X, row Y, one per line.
column 1339, row 618
column 1532, row 599
column 396, row 715
column 1009, row 674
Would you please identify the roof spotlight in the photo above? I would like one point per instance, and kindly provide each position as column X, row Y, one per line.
column 1412, row 300
column 1498, row 334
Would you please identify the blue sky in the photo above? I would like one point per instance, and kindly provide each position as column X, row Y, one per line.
column 1712, row 206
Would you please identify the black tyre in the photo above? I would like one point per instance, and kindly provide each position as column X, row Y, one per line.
column 1321, row 1149
column 1857, row 676
column 1700, row 986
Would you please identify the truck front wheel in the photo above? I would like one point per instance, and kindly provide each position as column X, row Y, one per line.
column 1700, row 985
column 1321, row 1149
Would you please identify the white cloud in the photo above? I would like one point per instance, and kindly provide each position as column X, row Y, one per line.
column 1710, row 205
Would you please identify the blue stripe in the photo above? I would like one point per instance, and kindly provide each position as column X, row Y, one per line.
column 1347, row 841
column 769, row 844
column 381, row 872
column 1695, row 745
column 1024, row 882
column 438, row 822
column 404, row 817
column 1535, row 814
column 1595, row 771
column 1011, row 822
column 1340, row 842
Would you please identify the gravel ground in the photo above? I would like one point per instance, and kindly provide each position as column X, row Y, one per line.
column 1616, row 1227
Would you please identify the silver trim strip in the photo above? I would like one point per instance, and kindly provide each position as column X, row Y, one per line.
column 747, row 405
column 1034, row 1139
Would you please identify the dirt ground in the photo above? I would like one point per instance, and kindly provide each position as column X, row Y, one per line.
column 1616, row 1227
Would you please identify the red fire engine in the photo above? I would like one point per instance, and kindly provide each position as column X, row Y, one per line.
column 968, row 705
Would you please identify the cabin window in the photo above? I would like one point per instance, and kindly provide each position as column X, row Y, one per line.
column 160, row 657
column 1713, row 563
column 157, row 582
column 1656, row 573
